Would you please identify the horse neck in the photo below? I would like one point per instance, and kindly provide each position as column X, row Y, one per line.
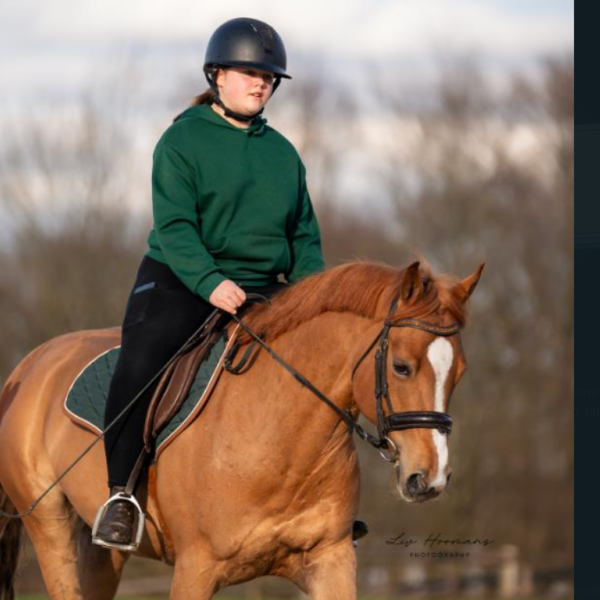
column 323, row 350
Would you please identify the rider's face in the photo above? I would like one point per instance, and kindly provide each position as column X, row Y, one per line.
column 243, row 89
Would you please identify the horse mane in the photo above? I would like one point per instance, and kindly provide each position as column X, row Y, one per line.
column 363, row 288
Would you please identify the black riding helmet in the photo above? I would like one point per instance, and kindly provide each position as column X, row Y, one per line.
column 244, row 42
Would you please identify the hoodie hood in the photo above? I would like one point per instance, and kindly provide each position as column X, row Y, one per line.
column 205, row 112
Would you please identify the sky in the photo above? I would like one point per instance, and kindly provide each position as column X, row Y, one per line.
column 49, row 46
column 52, row 51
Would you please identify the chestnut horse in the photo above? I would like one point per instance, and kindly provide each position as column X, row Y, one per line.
column 265, row 481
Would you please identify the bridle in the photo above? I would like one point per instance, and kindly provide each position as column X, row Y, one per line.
column 399, row 421
column 394, row 421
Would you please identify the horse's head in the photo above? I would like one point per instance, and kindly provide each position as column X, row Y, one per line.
column 420, row 367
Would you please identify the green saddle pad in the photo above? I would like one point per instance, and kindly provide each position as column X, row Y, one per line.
column 86, row 400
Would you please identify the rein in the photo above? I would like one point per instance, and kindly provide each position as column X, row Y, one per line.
column 394, row 421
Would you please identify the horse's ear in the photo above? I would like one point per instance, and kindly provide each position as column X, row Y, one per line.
column 412, row 284
column 463, row 289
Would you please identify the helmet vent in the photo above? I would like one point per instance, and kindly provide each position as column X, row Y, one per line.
column 266, row 36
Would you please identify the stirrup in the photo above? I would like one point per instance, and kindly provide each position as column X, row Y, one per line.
column 137, row 523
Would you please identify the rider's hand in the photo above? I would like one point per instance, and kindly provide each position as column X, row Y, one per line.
column 228, row 296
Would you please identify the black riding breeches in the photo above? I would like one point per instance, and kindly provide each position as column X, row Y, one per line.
column 161, row 315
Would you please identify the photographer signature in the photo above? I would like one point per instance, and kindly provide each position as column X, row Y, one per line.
column 434, row 540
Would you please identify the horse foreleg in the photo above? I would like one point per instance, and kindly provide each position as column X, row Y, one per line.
column 330, row 573
column 194, row 578
column 99, row 569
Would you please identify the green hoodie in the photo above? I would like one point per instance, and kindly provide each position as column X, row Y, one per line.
column 230, row 203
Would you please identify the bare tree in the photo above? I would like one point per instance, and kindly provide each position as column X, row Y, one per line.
column 72, row 244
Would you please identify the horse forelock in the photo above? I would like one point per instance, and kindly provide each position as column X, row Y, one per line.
column 436, row 298
column 363, row 288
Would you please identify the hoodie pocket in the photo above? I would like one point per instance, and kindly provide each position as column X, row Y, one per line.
column 137, row 306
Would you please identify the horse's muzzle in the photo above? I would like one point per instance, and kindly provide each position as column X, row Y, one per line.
column 417, row 488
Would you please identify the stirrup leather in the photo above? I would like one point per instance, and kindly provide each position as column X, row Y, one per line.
column 138, row 523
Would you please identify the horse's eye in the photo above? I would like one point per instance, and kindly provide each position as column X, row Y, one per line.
column 401, row 369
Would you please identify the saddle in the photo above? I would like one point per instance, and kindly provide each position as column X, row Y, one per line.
column 175, row 382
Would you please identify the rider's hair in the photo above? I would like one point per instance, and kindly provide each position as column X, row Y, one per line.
column 206, row 97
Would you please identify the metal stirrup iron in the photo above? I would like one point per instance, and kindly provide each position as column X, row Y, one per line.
column 126, row 496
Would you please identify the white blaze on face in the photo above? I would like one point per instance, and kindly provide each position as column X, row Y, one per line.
column 440, row 355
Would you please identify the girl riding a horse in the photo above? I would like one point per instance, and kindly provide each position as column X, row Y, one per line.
column 267, row 482
column 231, row 213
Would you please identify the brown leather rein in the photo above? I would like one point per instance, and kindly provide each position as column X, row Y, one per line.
column 394, row 421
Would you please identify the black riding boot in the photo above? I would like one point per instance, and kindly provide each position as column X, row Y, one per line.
column 117, row 525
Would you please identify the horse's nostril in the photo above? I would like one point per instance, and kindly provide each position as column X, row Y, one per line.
column 448, row 478
column 416, row 484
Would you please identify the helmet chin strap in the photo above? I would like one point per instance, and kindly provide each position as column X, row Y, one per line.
column 228, row 112
column 235, row 115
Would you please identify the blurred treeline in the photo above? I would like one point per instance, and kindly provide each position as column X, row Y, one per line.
column 464, row 174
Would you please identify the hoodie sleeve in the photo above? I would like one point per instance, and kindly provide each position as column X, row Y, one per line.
column 305, row 239
column 176, row 222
